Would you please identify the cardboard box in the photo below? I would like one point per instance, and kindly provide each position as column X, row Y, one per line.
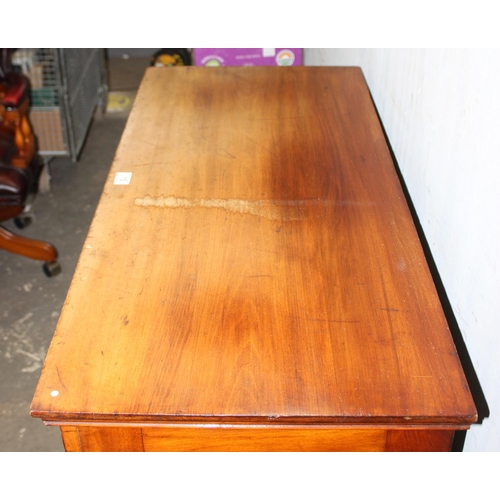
column 247, row 57
column 36, row 76
column 47, row 128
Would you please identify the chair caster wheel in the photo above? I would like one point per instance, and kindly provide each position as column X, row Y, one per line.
column 23, row 221
column 51, row 268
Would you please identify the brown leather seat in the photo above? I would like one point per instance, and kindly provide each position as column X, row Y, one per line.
column 13, row 187
column 20, row 166
column 7, row 148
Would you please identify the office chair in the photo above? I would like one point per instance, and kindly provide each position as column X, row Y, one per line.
column 20, row 167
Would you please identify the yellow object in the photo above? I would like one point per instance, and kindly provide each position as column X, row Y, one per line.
column 118, row 101
column 168, row 60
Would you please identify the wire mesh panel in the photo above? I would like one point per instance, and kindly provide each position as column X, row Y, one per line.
column 66, row 87
column 41, row 68
column 83, row 75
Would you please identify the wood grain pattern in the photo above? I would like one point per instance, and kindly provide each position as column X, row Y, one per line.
column 245, row 439
column 262, row 439
column 111, row 439
column 419, row 440
column 261, row 266
column 70, row 438
column 253, row 438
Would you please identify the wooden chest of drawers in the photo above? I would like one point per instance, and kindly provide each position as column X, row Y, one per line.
column 253, row 280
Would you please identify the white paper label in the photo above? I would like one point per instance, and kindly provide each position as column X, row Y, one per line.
column 123, row 178
column 268, row 52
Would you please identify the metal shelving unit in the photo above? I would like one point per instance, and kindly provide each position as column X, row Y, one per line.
column 67, row 87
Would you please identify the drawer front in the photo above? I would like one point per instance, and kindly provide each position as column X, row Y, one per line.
column 104, row 438
column 241, row 438
column 262, row 439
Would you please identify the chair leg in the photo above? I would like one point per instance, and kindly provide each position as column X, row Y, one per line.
column 33, row 249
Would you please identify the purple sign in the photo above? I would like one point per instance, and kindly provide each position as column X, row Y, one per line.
column 247, row 57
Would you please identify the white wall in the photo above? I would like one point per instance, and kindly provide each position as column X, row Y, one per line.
column 441, row 111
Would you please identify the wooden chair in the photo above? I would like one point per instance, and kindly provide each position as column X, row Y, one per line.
column 20, row 167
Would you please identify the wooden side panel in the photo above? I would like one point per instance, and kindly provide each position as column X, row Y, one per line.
column 419, row 440
column 111, row 438
column 70, row 438
column 262, row 439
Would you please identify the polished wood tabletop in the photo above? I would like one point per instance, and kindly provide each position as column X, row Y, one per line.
column 253, row 261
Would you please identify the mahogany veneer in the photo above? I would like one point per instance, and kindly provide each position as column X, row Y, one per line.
column 258, row 284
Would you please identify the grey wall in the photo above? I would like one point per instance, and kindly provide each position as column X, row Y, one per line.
column 130, row 52
column 441, row 111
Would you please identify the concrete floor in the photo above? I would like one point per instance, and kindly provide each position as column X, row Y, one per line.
column 30, row 302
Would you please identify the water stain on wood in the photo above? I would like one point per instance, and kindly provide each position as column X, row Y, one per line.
column 268, row 209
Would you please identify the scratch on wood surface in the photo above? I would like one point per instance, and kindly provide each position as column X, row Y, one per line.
column 225, row 153
column 321, row 320
column 260, row 145
column 60, row 379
